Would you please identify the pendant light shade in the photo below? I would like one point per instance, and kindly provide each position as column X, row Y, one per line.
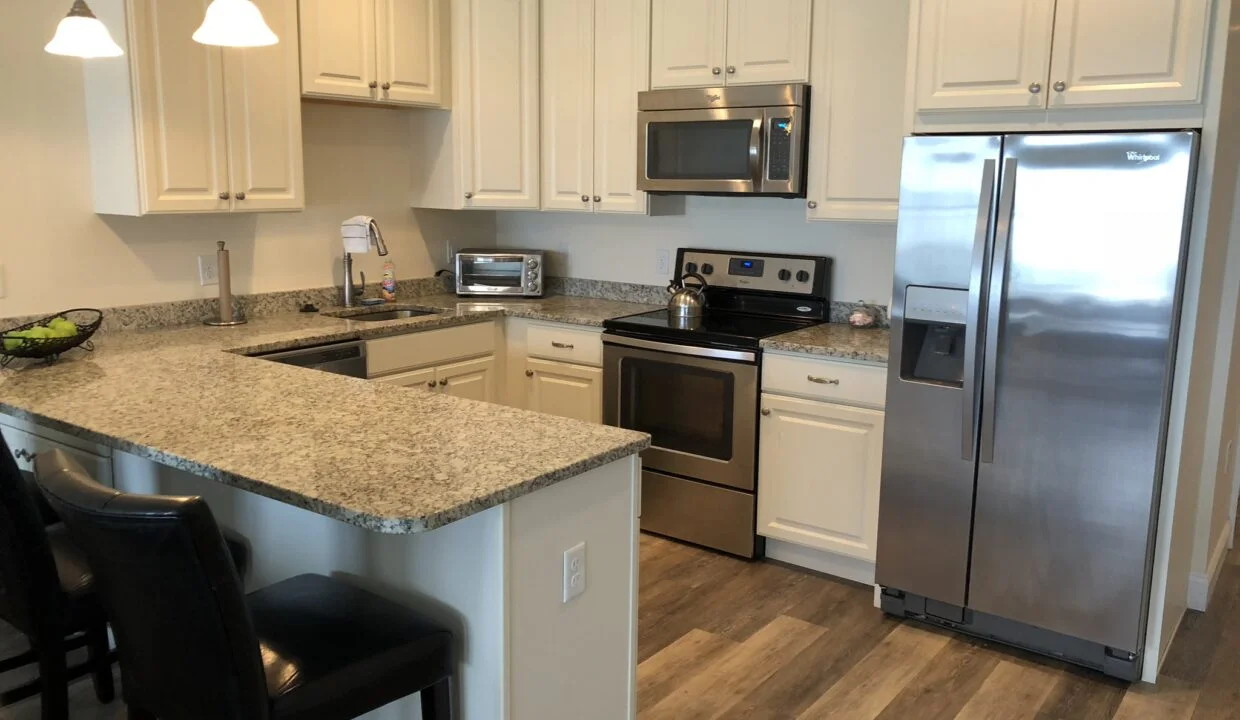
column 234, row 23
column 80, row 34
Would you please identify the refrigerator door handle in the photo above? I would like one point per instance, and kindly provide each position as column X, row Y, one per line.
column 973, row 318
column 994, row 306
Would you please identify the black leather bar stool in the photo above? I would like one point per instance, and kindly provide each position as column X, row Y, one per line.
column 47, row 592
column 192, row 645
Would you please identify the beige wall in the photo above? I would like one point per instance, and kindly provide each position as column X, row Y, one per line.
column 58, row 253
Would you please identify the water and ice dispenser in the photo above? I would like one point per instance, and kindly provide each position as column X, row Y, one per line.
column 933, row 342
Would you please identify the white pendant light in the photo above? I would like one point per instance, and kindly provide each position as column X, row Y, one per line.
column 234, row 23
column 80, row 34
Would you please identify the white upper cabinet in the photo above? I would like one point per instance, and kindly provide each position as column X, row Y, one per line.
column 688, row 43
column 768, row 41
column 857, row 120
column 703, row 43
column 594, row 62
column 387, row 51
column 982, row 54
column 1140, row 52
column 179, row 127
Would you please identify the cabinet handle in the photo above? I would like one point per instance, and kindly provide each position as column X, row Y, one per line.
column 430, row 384
column 240, row 196
column 23, row 454
column 813, row 204
column 562, row 346
column 822, row 380
column 374, row 84
column 224, row 196
column 443, row 383
column 585, row 198
column 468, row 195
column 1035, row 88
column 529, row 373
column 766, row 411
column 598, row 199
column 387, row 86
column 1060, row 86
column 731, row 69
column 715, row 71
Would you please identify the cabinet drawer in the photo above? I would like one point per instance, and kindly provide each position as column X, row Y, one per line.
column 583, row 347
column 26, row 445
column 848, row 383
column 432, row 347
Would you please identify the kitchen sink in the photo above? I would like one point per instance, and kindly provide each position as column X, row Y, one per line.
column 389, row 315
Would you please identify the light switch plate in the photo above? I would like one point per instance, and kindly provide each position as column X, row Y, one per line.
column 208, row 270
column 574, row 571
column 663, row 262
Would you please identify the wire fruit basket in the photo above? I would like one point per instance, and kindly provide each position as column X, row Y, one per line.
column 85, row 320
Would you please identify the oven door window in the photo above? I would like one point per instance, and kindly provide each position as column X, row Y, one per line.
column 502, row 271
column 683, row 408
column 699, row 150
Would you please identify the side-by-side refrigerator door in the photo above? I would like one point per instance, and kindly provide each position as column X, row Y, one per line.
column 948, row 196
column 1084, row 300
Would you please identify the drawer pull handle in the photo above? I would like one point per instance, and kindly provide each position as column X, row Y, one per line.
column 562, row 346
column 822, row 380
column 23, row 454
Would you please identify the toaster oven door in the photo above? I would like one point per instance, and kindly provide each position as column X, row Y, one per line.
column 498, row 274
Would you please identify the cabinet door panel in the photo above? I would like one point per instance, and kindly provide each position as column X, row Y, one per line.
column 1152, row 52
column 472, row 379
column 768, row 41
column 983, row 54
column 408, row 51
column 501, row 157
column 818, row 475
column 338, row 48
column 621, row 70
column 419, row 379
column 29, row 445
column 568, row 104
column 687, row 40
column 185, row 156
column 572, row 391
column 264, row 117
column 857, row 122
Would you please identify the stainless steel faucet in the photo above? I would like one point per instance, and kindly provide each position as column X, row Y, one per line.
column 350, row 292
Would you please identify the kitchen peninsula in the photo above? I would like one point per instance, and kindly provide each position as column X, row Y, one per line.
column 460, row 508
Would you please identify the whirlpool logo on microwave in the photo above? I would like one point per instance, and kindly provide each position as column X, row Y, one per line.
column 1143, row 157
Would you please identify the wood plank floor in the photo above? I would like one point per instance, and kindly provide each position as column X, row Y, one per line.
column 723, row 638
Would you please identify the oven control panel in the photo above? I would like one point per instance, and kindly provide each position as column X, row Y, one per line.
column 800, row 274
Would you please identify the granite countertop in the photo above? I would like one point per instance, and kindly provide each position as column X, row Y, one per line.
column 835, row 340
column 386, row 458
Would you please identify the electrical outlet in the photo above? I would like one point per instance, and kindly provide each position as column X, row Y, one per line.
column 208, row 270
column 574, row 571
column 663, row 262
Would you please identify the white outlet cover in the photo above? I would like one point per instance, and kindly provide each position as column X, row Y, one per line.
column 208, row 270
column 574, row 571
column 663, row 262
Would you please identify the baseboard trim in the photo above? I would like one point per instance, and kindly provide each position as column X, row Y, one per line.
column 824, row 562
column 1201, row 585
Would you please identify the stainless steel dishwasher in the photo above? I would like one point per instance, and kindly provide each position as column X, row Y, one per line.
column 343, row 358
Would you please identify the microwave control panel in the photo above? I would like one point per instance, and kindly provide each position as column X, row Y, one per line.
column 779, row 149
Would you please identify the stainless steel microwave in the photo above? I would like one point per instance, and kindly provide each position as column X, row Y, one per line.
column 499, row 272
column 748, row 140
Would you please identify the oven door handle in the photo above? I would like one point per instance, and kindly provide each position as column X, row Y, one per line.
column 715, row 353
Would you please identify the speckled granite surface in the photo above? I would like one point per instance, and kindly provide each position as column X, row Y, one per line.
column 386, row 458
column 834, row 340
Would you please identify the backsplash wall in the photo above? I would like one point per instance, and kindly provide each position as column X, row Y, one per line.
column 623, row 248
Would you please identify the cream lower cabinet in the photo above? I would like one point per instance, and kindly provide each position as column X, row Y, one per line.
column 564, row 389
column 421, row 379
column 458, row 361
column 818, row 475
column 179, row 127
column 472, row 379
column 26, row 440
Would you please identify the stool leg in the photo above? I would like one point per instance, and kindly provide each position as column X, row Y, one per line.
column 53, row 678
column 100, row 662
column 437, row 701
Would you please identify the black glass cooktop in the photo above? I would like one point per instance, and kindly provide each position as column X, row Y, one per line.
column 715, row 327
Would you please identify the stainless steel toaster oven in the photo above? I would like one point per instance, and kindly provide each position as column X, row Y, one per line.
column 500, row 272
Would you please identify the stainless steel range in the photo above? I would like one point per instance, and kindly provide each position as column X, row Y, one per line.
column 692, row 383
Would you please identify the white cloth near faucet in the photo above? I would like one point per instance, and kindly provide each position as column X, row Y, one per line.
column 358, row 233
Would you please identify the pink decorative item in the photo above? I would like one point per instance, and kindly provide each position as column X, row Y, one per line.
column 861, row 318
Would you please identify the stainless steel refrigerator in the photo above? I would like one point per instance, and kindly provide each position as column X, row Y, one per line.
column 1033, row 330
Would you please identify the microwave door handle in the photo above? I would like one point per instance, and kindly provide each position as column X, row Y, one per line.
column 757, row 159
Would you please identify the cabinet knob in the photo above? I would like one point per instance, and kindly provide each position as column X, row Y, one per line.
column 1035, row 88
column 240, row 196
column 387, row 86
column 1060, row 86
column 715, row 71
column 812, row 204
column 430, row 384
column 765, row 412
column 443, row 383
column 374, row 84
column 23, row 454
column 585, row 198
column 224, row 196
column 529, row 373
column 468, row 195
column 598, row 199
column 731, row 69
